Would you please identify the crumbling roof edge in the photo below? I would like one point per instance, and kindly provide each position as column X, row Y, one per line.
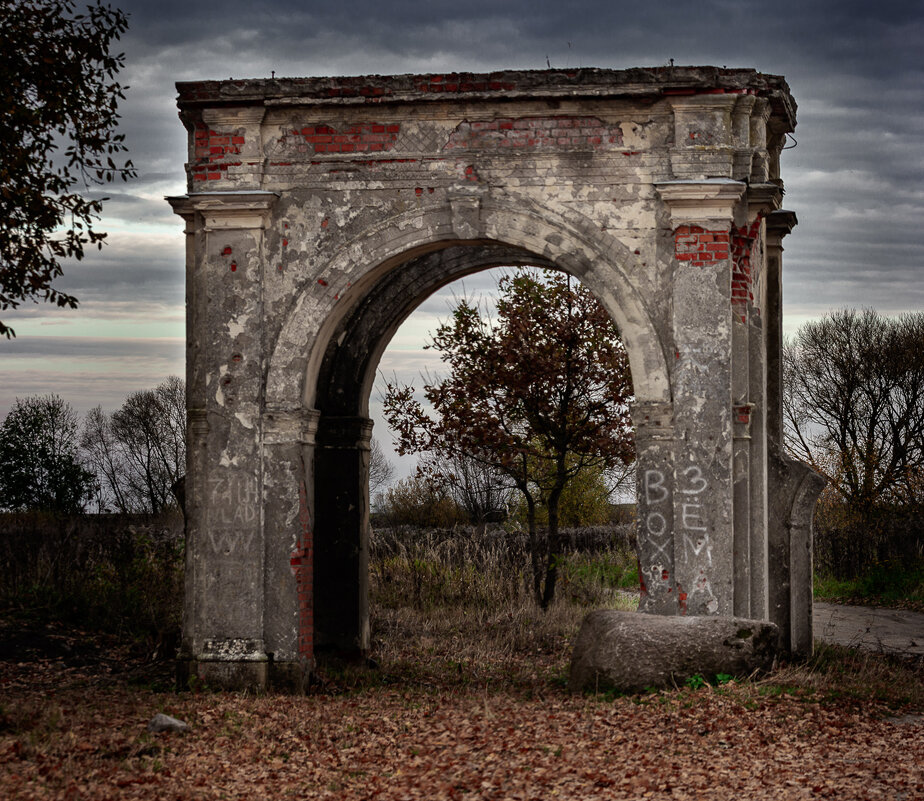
column 583, row 83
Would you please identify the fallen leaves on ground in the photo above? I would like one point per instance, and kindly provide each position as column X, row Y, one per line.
column 67, row 735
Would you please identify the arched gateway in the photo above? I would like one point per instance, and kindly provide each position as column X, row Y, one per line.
column 321, row 211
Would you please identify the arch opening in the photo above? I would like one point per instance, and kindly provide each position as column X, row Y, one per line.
column 345, row 378
column 512, row 225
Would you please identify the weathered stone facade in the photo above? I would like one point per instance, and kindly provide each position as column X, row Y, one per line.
column 321, row 212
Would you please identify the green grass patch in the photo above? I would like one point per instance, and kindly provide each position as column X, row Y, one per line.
column 883, row 584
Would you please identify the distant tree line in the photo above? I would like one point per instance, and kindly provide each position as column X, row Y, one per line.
column 127, row 461
column 854, row 411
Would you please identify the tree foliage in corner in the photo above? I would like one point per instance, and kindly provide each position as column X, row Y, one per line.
column 540, row 394
column 58, row 123
column 39, row 465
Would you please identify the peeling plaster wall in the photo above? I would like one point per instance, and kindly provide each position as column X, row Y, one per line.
column 320, row 211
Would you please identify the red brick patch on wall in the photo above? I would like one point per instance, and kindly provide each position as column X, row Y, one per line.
column 742, row 280
column 211, row 148
column 699, row 246
column 534, row 132
column 302, row 562
column 367, row 137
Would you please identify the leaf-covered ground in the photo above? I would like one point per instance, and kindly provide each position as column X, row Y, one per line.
column 73, row 726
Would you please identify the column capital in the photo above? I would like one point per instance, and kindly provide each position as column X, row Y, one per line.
column 705, row 203
column 653, row 419
column 183, row 207
column 345, row 432
column 290, row 425
column 763, row 199
column 226, row 210
column 780, row 223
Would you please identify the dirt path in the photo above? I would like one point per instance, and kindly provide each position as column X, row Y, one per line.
column 887, row 630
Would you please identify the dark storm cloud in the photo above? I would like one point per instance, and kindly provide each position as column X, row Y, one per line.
column 855, row 69
column 854, row 178
column 95, row 347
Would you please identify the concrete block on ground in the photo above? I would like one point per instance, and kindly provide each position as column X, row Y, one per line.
column 630, row 651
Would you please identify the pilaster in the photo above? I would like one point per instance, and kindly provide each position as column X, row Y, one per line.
column 702, row 213
column 289, row 439
column 778, row 225
column 223, row 625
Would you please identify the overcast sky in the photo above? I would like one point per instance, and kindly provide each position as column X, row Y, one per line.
column 855, row 178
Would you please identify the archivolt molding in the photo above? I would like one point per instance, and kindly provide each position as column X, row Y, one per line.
column 564, row 237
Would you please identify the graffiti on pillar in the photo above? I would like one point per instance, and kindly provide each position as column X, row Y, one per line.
column 655, row 522
column 697, row 544
column 227, row 541
column 657, row 553
column 234, row 500
column 693, row 526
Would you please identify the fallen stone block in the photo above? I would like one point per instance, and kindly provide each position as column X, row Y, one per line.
column 161, row 722
column 631, row 651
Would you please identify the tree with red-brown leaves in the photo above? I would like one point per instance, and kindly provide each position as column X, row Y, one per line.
column 540, row 394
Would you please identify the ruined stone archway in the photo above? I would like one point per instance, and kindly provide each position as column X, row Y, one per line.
column 321, row 211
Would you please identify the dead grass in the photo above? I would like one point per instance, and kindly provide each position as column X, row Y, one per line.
column 457, row 607
column 837, row 673
column 457, row 615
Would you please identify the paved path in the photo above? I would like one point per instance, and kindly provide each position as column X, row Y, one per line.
column 887, row 630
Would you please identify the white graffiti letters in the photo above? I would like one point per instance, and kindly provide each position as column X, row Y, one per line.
column 695, row 532
column 657, row 543
column 234, row 500
column 655, row 491
column 691, row 518
column 695, row 476
column 689, row 514
column 655, row 524
column 226, row 542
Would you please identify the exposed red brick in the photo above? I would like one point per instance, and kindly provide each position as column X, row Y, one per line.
column 743, row 413
column 699, row 246
column 742, row 242
column 360, row 138
column 302, row 564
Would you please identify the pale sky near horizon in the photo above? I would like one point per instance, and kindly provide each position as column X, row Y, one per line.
column 855, row 178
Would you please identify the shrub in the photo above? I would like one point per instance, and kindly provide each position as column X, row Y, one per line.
column 115, row 573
